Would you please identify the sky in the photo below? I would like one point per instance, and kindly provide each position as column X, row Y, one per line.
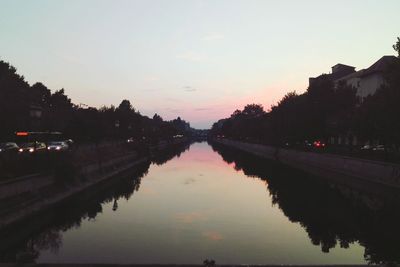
column 196, row 59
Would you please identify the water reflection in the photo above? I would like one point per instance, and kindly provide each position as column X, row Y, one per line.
column 332, row 215
column 196, row 207
column 45, row 233
column 170, row 153
column 24, row 242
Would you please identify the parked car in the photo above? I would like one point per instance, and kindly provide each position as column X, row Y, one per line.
column 366, row 147
column 307, row 143
column 35, row 147
column 57, row 146
column 130, row 140
column 8, row 150
column 8, row 147
column 319, row 144
column 69, row 142
column 378, row 148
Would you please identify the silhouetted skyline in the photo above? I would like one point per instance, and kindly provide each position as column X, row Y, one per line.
column 195, row 59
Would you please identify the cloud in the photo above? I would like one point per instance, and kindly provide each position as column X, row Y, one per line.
column 212, row 235
column 189, row 89
column 213, row 37
column 172, row 99
column 153, row 89
column 202, row 109
column 192, row 56
column 151, row 78
column 190, row 217
column 173, row 110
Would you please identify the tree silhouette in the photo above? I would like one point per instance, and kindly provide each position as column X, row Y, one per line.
column 80, row 122
column 396, row 46
column 157, row 118
column 253, row 110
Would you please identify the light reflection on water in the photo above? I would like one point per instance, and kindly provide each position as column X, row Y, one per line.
column 193, row 207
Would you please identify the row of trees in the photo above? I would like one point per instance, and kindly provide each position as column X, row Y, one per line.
column 325, row 110
column 320, row 112
column 36, row 108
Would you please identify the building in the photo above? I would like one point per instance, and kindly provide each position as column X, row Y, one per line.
column 338, row 71
column 367, row 81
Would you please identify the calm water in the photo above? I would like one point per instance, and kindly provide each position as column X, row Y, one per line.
column 206, row 203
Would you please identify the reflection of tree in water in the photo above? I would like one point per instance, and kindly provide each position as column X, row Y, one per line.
column 329, row 217
column 84, row 207
column 167, row 154
column 47, row 235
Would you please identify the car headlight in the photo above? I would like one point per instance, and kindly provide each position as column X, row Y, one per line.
column 31, row 150
column 58, row 148
column 20, row 150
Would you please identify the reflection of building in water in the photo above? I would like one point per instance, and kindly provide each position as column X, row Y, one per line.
column 329, row 217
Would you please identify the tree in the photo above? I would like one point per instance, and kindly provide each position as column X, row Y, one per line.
column 289, row 119
column 396, row 46
column 14, row 101
column 253, row 110
column 59, row 100
column 60, row 111
column 125, row 116
column 377, row 118
column 40, row 95
column 236, row 113
column 125, row 106
column 157, row 118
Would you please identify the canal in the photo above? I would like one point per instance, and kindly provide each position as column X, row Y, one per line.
column 208, row 202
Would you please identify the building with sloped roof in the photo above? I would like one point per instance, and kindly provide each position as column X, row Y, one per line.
column 367, row 81
column 338, row 71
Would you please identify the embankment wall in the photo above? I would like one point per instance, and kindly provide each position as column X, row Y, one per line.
column 341, row 168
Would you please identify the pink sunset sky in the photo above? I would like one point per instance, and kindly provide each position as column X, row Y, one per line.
column 197, row 59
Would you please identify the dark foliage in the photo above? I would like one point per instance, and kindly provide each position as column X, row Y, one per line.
column 325, row 110
column 36, row 108
column 316, row 114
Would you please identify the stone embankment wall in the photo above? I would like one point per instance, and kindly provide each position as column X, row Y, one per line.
column 25, row 196
column 341, row 168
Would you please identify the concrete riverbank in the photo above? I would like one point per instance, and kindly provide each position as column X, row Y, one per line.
column 339, row 168
column 23, row 197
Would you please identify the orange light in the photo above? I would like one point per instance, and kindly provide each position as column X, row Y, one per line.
column 22, row 134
